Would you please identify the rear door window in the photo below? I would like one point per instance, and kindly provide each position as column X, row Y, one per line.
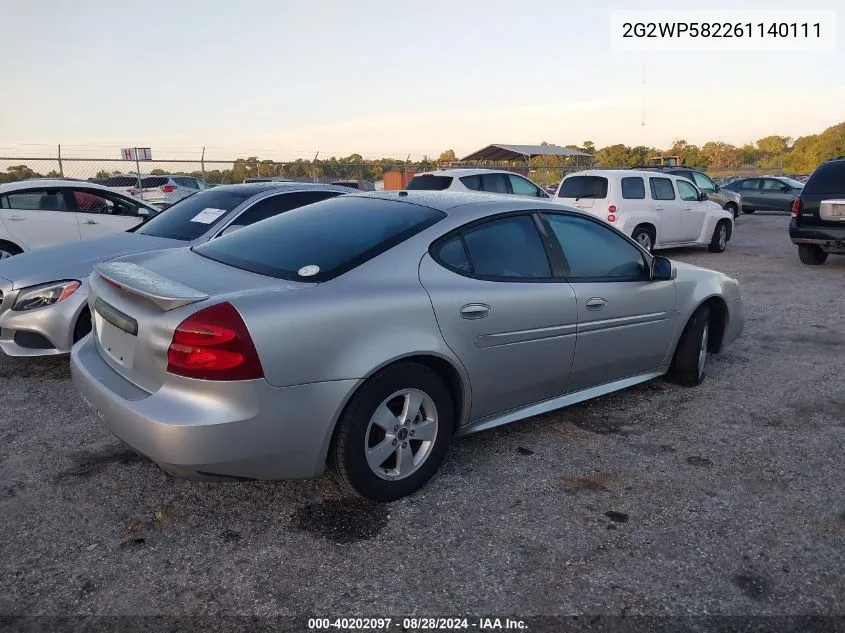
column 495, row 183
column 426, row 182
column 37, row 200
column 633, row 188
column 583, row 187
column 507, row 248
column 323, row 240
column 661, row 189
column 472, row 182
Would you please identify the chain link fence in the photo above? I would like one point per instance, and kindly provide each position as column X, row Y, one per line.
column 380, row 173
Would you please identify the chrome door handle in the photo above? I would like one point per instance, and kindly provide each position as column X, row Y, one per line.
column 475, row 311
column 658, row 208
column 596, row 303
column 92, row 222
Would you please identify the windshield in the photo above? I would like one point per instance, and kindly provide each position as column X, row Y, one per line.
column 193, row 216
column 323, row 240
column 583, row 187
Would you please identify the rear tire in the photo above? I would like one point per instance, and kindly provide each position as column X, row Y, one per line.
column 378, row 415
column 811, row 254
column 7, row 249
column 688, row 363
column 644, row 236
column 720, row 237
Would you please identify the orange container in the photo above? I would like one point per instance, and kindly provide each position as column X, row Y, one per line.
column 396, row 180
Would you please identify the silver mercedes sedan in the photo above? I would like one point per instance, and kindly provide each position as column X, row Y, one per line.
column 44, row 293
column 366, row 331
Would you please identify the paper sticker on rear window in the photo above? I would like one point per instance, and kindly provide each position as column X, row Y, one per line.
column 207, row 216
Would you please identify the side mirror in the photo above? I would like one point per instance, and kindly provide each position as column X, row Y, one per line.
column 231, row 229
column 661, row 269
column 716, row 189
column 702, row 197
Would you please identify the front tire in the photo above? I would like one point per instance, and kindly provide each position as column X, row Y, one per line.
column 7, row 249
column 394, row 433
column 691, row 354
column 720, row 238
column 733, row 209
column 811, row 254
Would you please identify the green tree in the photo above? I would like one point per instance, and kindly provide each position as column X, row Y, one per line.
column 448, row 157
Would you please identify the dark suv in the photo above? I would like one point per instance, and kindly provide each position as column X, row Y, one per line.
column 725, row 198
column 818, row 214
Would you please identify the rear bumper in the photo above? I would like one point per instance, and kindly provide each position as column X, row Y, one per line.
column 245, row 429
column 829, row 238
column 41, row 332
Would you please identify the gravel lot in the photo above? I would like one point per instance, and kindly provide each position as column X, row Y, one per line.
column 722, row 499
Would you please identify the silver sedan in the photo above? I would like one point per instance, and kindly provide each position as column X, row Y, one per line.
column 44, row 293
column 366, row 331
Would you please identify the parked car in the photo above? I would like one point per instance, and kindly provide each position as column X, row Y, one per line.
column 767, row 193
column 817, row 224
column 162, row 191
column 728, row 199
column 43, row 294
column 39, row 213
column 125, row 184
column 656, row 210
column 487, row 180
column 367, row 330
column 360, row 185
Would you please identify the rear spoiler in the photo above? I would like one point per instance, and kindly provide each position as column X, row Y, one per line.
column 165, row 293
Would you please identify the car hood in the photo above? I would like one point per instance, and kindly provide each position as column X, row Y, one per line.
column 74, row 260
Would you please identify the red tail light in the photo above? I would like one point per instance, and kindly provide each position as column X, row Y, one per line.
column 214, row 344
column 611, row 208
column 796, row 207
column 168, row 188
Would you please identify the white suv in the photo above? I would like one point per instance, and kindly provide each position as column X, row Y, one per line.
column 657, row 210
column 487, row 180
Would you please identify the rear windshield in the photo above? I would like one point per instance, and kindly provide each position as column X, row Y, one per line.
column 795, row 184
column 828, row 178
column 583, row 187
column 153, row 181
column 122, row 181
column 183, row 221
column 322, row 240
column 429, row 183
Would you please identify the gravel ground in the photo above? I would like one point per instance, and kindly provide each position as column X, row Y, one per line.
column 722, row 499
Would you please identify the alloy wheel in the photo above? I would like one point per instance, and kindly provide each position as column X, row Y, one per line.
column 401, row 434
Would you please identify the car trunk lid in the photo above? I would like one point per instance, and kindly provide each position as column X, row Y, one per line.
column 137, row 303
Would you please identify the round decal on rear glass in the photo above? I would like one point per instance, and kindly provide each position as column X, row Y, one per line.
column 308, row 271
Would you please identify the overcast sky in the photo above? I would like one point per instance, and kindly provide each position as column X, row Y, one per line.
column 385, row 77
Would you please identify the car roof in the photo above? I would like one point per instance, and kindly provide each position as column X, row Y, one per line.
column 464, row 171
column 450, row 202
column 38, row 183
column 258, row 187
column 621, row 172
